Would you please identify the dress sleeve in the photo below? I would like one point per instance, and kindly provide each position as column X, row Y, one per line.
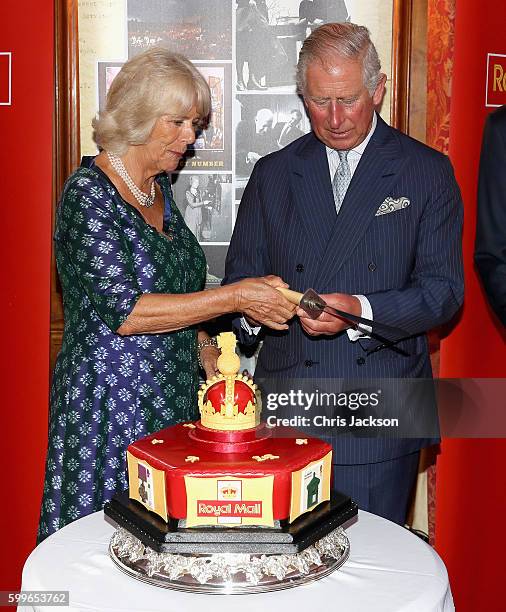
column 89, row 233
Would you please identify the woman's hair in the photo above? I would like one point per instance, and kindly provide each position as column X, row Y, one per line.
column 342, row 40
column 155, row 83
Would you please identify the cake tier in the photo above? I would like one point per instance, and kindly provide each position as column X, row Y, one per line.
column 251, row 441
column 182, row 452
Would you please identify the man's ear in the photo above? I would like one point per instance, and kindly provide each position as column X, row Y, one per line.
column 379, row 92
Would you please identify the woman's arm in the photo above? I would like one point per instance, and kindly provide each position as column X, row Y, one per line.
column 255, row 298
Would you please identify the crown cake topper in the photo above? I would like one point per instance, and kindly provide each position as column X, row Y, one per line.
column 228, row 401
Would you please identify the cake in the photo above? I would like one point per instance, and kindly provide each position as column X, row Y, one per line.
column 229, row 469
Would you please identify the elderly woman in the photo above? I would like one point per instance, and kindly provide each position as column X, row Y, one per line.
column 132, row 277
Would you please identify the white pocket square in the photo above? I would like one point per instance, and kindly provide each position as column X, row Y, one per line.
column 392, row 204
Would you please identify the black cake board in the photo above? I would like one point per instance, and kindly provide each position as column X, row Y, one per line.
column 284, row 538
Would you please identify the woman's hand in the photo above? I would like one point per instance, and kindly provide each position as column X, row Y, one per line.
column 259, row 301
column 209, row 358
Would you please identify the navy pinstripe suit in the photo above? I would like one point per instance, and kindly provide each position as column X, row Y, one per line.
column 407, row 263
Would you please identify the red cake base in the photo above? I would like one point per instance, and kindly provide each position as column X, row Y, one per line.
column 178, row 446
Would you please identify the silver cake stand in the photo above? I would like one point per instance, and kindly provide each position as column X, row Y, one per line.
column 227, row 573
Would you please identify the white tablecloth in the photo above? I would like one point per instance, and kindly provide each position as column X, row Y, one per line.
column 389, row 570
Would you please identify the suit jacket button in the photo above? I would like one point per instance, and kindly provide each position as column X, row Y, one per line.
column 308, row 363
column 361, row 360
column 299, row 268
column 372, row 266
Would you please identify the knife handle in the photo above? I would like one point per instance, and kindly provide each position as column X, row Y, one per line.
column 292, row 296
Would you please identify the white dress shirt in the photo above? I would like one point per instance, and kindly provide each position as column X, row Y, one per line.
column 354, row 156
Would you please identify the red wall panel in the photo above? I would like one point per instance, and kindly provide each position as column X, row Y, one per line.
column 26, row 30
column 476, row 347
column 471, row 496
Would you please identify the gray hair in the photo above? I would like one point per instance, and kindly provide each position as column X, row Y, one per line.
column 155, row 83
column 343, row 40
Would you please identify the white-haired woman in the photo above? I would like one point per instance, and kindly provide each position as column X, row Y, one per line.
column 132, row 277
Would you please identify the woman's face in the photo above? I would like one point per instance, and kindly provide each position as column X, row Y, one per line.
column 170, row 138
column 195, row 182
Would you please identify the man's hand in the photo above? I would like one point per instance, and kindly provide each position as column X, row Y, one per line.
column 326, row 324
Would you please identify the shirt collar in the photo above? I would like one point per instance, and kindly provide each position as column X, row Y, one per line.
column 360, row 148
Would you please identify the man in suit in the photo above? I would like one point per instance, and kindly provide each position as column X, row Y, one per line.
column 254, row 139
column 490, row 247
column 369, row 218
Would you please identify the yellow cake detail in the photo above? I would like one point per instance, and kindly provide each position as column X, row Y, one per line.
column 192, row 459
column 264, row 457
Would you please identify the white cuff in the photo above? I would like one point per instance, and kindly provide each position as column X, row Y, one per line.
column 363, row 331
column 252, row 331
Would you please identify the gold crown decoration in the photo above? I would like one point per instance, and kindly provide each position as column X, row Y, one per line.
column 229, row 493
column 228, row 401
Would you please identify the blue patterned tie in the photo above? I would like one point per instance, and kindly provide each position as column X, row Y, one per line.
column 341, row 180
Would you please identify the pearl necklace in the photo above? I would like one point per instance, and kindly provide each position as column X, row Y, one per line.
column 144, row 199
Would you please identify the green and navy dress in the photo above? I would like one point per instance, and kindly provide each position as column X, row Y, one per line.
column 109, row 390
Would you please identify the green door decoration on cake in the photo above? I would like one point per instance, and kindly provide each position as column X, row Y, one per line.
column 312, row 491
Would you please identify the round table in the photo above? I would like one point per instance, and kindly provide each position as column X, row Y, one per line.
column 389, row 570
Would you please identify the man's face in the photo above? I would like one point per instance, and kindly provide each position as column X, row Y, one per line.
column 339, row 105
column 263, row 125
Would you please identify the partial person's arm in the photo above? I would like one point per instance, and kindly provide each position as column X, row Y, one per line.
column 256, row 298
column 490, row 246
column 247, row 254
column 435, row 290
column 89, row 231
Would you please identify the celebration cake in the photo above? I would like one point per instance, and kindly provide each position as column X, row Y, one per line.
column 229, row 469
column 227, row 504
column 229, row 483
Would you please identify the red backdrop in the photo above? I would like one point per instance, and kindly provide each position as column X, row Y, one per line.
column 471, row 498
column 26, row 30
column 471, row 495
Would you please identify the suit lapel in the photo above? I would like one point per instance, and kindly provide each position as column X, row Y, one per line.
column 372, row 181
column 312, row 193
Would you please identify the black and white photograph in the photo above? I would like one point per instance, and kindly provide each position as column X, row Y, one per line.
column 198, row 30
column 265, row 123
column 205, row 201
column 269, row 35
column 215, row 258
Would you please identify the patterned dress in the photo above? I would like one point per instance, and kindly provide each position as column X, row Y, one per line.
column 109, row 390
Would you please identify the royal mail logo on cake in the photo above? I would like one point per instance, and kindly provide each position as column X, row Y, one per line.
column 229, row 505
column 207, row 507
column 5, row 78
column 495, row 94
